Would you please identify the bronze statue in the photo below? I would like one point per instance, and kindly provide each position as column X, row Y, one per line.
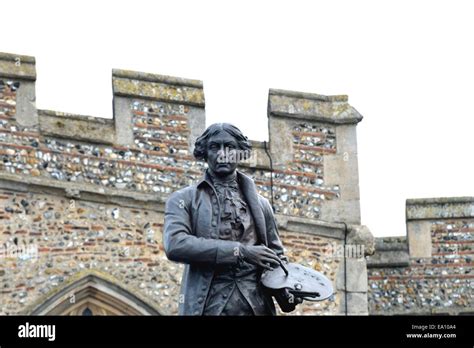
column 225, row 233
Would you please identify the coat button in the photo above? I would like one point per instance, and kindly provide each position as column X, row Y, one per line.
column 196, row 312
column 224, row 295
column 213, row 235
column 214, row 224
column 200, row 299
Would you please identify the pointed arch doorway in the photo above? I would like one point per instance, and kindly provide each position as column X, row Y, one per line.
column 94, row 295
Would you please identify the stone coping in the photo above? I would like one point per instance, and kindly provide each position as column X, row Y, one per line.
column 389, row 252
column 66, row 116
column 312, row 107
column 439, row 200
column 13, row 57
column 388, row 259
column 134, row 84
column 439, row 208
column 256, row 144
column 17, row 66
column 90, row 129
column 143, row 76
column 310, row 96
column 391, row 243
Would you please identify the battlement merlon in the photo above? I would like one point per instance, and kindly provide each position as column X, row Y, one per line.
column 131, row 86
column 298, row 124
column 22, row 69
column 422, row 213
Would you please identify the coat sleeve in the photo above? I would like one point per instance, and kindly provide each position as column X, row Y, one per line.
column 286, row 301
column 273, row 237
column 182, row 245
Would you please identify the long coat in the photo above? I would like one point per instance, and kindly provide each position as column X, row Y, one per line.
column 191, row 236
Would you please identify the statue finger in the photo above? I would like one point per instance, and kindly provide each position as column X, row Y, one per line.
column 265, row 266
column 273, row 257
column 271, row 261
column 269, row 250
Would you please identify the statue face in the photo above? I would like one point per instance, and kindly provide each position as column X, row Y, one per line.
column 221, row 158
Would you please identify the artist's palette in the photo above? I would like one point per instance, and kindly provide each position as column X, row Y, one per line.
column 301, row 281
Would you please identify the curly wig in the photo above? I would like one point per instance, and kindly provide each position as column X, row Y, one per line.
column 200, row 147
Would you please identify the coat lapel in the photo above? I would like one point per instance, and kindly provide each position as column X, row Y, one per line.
column 250, row 192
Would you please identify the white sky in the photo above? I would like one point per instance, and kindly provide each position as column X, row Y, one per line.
column 407, row 66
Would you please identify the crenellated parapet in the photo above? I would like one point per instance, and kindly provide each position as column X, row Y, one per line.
column 92, row 190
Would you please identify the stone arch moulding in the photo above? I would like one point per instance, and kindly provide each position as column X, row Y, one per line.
column 93, row 294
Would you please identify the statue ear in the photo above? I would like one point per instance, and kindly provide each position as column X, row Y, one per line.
column 200, row 152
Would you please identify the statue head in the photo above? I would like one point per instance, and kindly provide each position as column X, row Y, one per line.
column 222, row 146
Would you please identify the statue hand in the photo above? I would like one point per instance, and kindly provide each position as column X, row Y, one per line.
column 260, row 255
